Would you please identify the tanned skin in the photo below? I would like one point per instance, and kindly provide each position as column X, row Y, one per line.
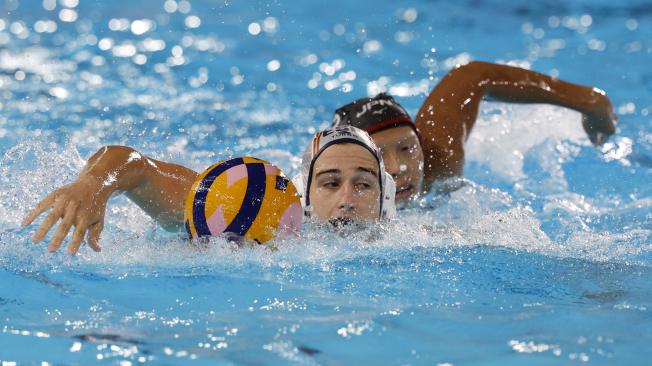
column 446, row 118
column 157, row 187
column 444, row 122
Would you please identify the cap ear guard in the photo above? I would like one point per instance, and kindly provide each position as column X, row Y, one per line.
column 389, row 193
column 300, row 183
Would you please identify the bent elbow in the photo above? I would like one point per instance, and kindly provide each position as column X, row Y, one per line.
column 118, row 149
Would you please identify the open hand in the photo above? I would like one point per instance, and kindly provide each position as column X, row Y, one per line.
column 81, row 204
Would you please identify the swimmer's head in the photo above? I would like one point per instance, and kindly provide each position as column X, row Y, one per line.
column 395, row 134
column 343, row 178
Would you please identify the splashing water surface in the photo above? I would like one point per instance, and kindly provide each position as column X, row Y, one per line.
column 543, row 257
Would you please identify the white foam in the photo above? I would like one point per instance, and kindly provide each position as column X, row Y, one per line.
column 473, row 215
column 504, row 133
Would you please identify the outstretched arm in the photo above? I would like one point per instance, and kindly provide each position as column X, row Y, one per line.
column 157, row 187
column 447, row 116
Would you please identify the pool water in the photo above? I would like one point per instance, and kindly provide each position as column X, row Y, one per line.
column 543, row 257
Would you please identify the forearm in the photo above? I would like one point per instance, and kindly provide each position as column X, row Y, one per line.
column 162, row 194
column 517, row 85
column 114, row 168
column 157, row 187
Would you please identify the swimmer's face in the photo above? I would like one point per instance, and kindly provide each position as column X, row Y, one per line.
column 345, row 185
column 403, row 158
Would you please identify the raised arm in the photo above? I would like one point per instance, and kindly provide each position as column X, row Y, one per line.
column 159, row 188
column 447, row 116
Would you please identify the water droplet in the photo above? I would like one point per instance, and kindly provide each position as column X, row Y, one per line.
column 254, row 29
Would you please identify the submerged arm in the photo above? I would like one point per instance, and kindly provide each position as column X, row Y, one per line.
column 157, row 187
column 447, row 116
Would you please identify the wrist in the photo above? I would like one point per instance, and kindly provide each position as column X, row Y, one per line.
column 595, row 101
column 100, row 188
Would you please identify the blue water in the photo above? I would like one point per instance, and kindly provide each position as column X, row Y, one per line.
column 543, row 257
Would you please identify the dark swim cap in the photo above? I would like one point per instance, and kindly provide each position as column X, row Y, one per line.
column 373, row 114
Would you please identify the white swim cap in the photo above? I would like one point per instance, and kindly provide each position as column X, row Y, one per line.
column 345, row 135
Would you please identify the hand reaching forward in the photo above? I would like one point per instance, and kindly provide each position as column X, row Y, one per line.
column 81, row 204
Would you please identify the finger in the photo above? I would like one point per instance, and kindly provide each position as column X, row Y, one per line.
column 597, row 138
column 606, row 125
column 50, row 220
column 94, row 236
column 40, row 207
column 77, row 238
column 611, row 128
column 600, row 138
column 64, row 227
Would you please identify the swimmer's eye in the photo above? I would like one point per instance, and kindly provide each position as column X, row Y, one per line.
column 330, row 184
column 408, row 149
column 361, row 186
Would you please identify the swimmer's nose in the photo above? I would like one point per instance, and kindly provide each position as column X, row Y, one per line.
column 346, row 199
column 346, row 207
column 392, row 165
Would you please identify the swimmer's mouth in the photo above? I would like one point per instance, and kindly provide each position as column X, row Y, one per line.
column 341, row 222
column 405, row 192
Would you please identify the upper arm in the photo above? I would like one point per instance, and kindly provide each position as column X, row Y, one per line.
column 446, row 118
column 443, row 154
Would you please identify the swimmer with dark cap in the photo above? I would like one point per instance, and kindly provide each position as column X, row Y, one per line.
column 343, row 175
column 424, row 152
column 416, row 153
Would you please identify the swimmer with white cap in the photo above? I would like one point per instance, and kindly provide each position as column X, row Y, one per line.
column 343, row 178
